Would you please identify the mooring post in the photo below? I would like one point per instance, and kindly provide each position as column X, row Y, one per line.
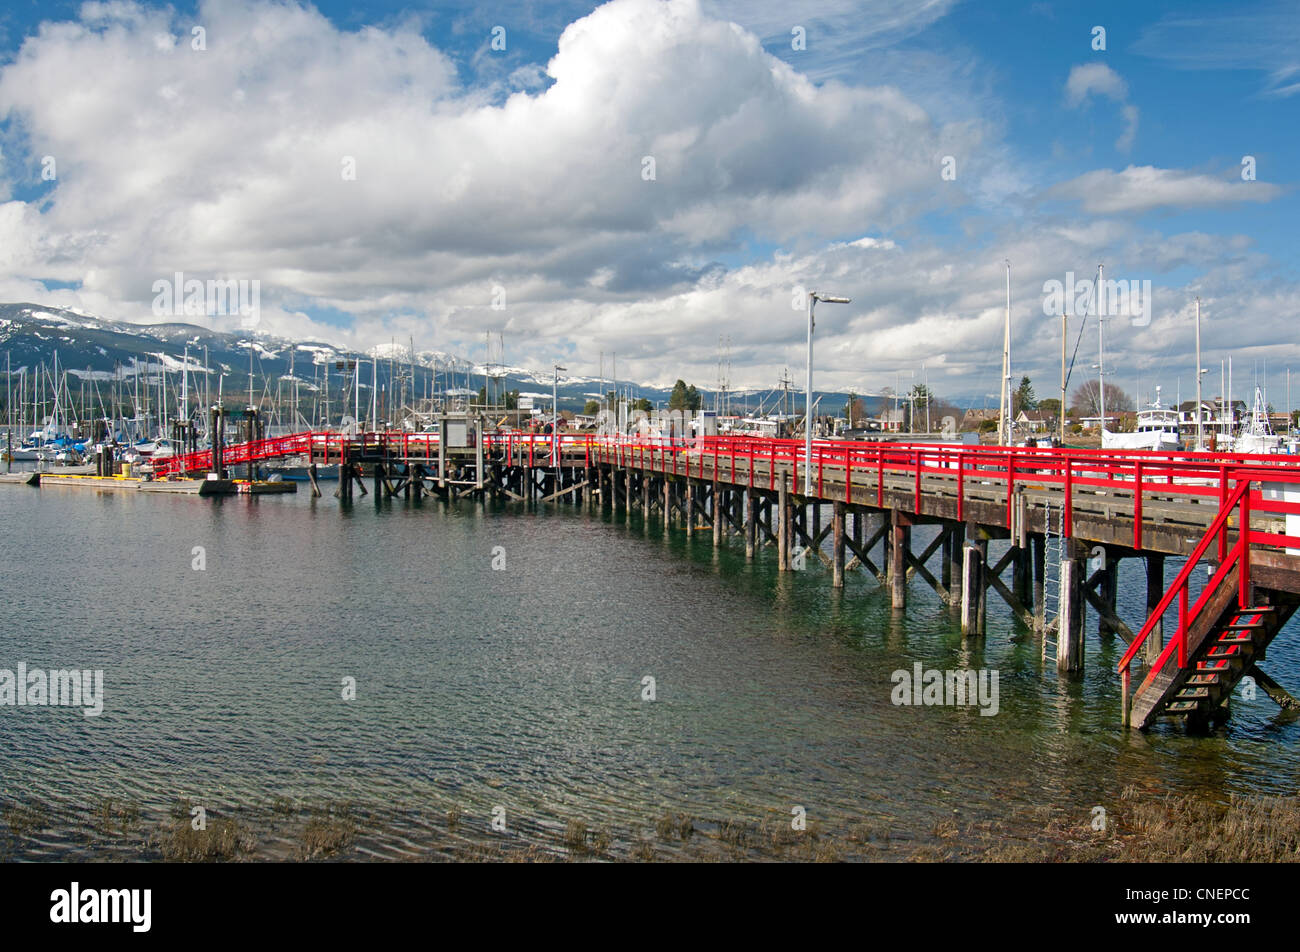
column 972, row 590
column 898, row 560
column 783, row 524
column 1155, row 642
column 668, row 503
column 837, row 545
column 377, row 477
column 1069, row 635
column 627, row 493
column 315, row 486
column 982, row 579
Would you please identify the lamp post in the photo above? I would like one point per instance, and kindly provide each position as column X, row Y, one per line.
column 813, row 298
column 555, row 414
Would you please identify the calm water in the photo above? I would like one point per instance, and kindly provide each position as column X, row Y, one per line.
column 520, row 688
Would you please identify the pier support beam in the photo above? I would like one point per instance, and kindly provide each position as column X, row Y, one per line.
column 1155, row 642
column 972, row 592
column 716, row 509
column 1038, row 546
column 751, row 527
column 1069, row 635
column 837, row 545
column 1107, row 591
column 783, row 524
column 898, row 547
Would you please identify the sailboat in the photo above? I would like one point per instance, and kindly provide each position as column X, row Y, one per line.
column 1256, row 434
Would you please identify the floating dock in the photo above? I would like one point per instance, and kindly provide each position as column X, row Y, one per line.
column 186, row 487
column 21, row 479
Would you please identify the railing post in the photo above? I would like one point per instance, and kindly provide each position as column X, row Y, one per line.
column 916, row 484
column 1243, row 534
column 1137, row 505
column 961, row 485
column 1067, row 516
column 1223, row 501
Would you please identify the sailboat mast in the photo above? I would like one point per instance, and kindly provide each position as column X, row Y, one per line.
column 1200, row 436
column 1101, row 353
column 1004, row 398
column 1060, row 413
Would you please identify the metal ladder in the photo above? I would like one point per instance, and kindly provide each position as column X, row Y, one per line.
column 1053, row 555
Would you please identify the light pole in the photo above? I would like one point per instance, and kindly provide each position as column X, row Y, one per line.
column 555, row 413
column 813, row 298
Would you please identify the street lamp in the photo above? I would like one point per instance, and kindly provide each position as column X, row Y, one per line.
column 555, row 414
column 813, row 298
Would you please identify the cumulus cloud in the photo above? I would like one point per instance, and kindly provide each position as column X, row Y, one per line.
column 1098, row 79
column 230, row 161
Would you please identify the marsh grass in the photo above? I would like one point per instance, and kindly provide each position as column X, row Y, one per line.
column 221, row 841
column 23, row 819
column 114, row 815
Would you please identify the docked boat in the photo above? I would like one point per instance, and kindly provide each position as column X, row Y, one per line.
column 1157, row 429
column 1256, row 435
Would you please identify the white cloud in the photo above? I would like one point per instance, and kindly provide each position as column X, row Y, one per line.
column 1141, row 188
column 1098, row 79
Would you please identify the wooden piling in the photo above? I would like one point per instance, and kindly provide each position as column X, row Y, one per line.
column 972, row 591
column 837, row 545
column 899, row 545
column 751, row 524
column 315, row 485
column 1155, row 642
column 1107, row 591
column 1069, row 636
column 718, row 514
column 783, row 524
column 1038, row 547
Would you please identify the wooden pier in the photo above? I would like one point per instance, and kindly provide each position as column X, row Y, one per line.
column 1068, row 519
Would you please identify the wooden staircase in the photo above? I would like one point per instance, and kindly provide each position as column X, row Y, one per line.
column 1220, row 638
column 1223, row 644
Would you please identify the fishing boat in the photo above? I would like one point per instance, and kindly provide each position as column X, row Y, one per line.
column 1156, row 429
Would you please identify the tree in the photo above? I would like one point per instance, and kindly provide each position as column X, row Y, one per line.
column 679, row 399
column 591, row 408
column 1051, row 407
column 1024, row 398
column 856, row 411
column 1084, row 402
column 693, row 398
column 643, row 404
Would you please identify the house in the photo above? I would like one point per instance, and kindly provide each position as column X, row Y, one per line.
column 972, row 419
column 1034, row 421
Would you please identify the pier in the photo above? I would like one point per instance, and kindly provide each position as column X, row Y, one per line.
column 1068, row 519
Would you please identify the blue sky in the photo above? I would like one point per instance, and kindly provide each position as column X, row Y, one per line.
column 517, row 170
